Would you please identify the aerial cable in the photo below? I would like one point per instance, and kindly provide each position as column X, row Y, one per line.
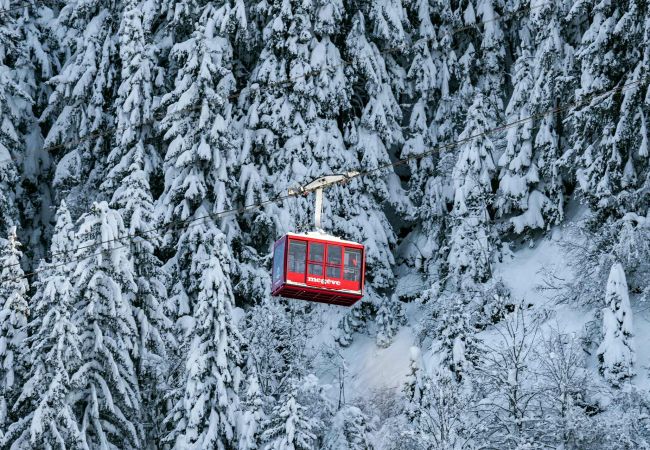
column 268, row 87
column 186, row 223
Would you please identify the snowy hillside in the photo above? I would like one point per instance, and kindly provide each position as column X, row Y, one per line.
column 493, row 173
column 370, row 368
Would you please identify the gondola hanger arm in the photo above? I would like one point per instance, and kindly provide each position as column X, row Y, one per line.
column 317, row 186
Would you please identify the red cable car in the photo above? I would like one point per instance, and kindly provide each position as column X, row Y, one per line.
column 316, row 266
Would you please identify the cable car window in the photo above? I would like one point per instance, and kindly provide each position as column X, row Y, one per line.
column 333, row 272
column 278, row 262
column 352, row 267
column 315, row 269
column 297, row 256
column 334, row 254
column 316, row 251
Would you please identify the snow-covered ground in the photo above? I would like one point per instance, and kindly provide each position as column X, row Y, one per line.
column 371, row 369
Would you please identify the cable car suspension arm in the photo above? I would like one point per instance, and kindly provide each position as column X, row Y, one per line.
column 318, row 185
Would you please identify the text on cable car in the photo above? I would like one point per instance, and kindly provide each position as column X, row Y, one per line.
column 323, row 281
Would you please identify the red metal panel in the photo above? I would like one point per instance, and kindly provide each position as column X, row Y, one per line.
column 318, row 295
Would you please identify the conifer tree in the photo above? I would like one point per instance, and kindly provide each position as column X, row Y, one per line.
column 350, row 430
column 430, row 124
column 105, row 385
column 253, row 413
column 14, row 310
column 492, row 53
column 289, row 427
column 416, row 389
column 553, row 77
column 45, row 415
column 298, row 90
column 519, row 173
column 81, row 103
column 130, row 165
column 371, row 138
column 207, row 400
column 631, row 134
column 206, row 397
column 456, row 343
column 198, row 123
column 471, row 242
column 13, row 104
column 197, row 126
column 616, row 353
column 33, row 65
column 599, row 145
column 277, row 335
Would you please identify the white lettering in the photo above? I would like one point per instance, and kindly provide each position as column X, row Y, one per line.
column 323, row 281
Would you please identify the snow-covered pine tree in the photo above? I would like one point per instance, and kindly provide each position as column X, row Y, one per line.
column 632, row 131
column 471, row 242
column 14, row 310
column 518, row 169
column 416, row 390
column 34, row 65
column 252, row 418
column 295, row 95
column 530, row 182
column 277, row 335
column 492, row 58
column 130, row 165
column 616, row 353
column 429, row 125
column 104, row 388
column 350, row 430
column 44, row 411
column 376, row 78
column 553, row 76
column 454, row 334
column 132, row 156
column 207, row 405
column 197, row 124
column 289, row 427
column 608, row 54
column 269, row 343
column 81, row 103
column 292, row 130
column 14, row 103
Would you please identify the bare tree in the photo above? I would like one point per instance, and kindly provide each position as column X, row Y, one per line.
column 566, row 387
column 506, row 375
column 438, row 406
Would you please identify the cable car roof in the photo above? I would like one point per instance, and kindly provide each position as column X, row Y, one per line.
column 323, row 236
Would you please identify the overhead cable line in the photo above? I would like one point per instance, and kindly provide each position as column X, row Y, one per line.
column 158, row 116
column 186, row 223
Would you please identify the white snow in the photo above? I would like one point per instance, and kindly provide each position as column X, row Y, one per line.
column 370, row 368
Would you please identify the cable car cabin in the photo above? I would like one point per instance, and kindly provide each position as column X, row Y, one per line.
column 319, row 268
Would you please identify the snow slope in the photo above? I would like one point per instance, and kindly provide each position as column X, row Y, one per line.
column 371, row 369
